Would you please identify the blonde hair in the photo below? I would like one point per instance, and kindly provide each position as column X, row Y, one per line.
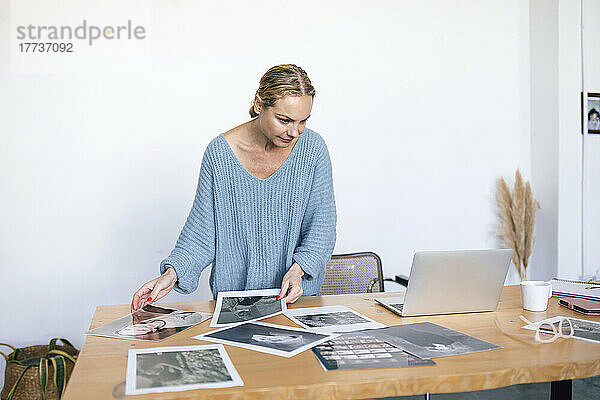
column 280, row 81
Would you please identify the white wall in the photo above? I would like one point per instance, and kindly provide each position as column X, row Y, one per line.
column 423, row 104
column 544, row 134
column 570, row 146
column 565, row 167
column 591, row 147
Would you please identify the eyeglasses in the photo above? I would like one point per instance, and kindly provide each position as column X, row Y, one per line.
column 561, row 328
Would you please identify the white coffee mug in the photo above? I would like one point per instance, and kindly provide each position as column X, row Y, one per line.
column 535, row 295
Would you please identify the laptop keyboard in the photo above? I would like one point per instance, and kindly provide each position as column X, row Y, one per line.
column 398, row 306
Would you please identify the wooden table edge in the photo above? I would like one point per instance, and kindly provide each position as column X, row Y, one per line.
column 395, row 387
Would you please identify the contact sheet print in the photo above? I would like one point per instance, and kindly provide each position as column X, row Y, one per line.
column 405, row 345
column 363, row 350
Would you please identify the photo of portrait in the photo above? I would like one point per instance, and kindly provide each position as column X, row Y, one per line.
column 330, row 319
column 326, row 319
column 267, row 338
column 583, row 329
column 179, row 368
column 244, row 306
column 428, row 340
column 150, row 323
column 363, row 350
column 593, row 113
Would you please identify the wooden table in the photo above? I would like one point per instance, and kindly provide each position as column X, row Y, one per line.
column 100, row 369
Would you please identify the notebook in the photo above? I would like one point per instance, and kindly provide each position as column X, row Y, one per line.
column 582, row 290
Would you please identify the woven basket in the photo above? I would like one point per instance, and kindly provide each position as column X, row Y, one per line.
column 29, row 387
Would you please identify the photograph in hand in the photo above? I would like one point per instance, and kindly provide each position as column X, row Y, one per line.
column 150, row 323
column 244, row 306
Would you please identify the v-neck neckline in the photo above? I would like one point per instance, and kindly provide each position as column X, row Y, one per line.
column 274, row 174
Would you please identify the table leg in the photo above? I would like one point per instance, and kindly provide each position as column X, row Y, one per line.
column 561, row 390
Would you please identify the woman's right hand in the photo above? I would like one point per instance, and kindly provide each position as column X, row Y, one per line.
column 154, row 290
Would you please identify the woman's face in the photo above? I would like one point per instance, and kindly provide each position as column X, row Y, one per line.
column 283, row 123
column 141, row 329
column 180, row 319
column 285, row 339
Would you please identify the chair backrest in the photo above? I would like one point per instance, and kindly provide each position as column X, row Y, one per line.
column 353, row 273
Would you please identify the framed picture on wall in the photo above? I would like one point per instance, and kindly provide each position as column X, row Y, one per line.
column 591, row 117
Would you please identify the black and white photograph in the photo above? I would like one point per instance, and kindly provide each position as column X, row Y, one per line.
column 274, row 339
column 583, row 329
column 362, row 350
column 150, row 323
column 170, row 369
column 428, row 340
column 592, row 115
column 245, row 306
column 331, row 319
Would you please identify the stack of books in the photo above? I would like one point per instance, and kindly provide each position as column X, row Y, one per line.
column 584, row 290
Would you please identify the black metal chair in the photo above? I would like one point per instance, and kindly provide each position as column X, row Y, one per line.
column 356, row 273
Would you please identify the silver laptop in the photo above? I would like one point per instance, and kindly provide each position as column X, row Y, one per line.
column 449, row 282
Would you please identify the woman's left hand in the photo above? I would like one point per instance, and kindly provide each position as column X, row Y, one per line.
column 292, row 281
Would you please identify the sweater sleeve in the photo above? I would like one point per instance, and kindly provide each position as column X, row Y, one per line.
column 195, row 247
column 317, row 233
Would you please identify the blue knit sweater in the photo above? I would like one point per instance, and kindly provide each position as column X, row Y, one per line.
column 252, row 229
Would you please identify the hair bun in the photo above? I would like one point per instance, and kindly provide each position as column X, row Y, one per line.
column 280, row 81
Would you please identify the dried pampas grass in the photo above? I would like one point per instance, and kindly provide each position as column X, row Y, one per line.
column 516, row 211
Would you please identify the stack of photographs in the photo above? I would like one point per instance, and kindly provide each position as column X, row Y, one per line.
column 246, row 306
column 150, row 323
column 169, row 369
column 363, row 350
column 331, row 319
column 237, row 312
column 397, row 346
column 268, row 338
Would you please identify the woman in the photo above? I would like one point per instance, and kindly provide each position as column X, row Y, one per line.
column 594, row 120
column 264, row 212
